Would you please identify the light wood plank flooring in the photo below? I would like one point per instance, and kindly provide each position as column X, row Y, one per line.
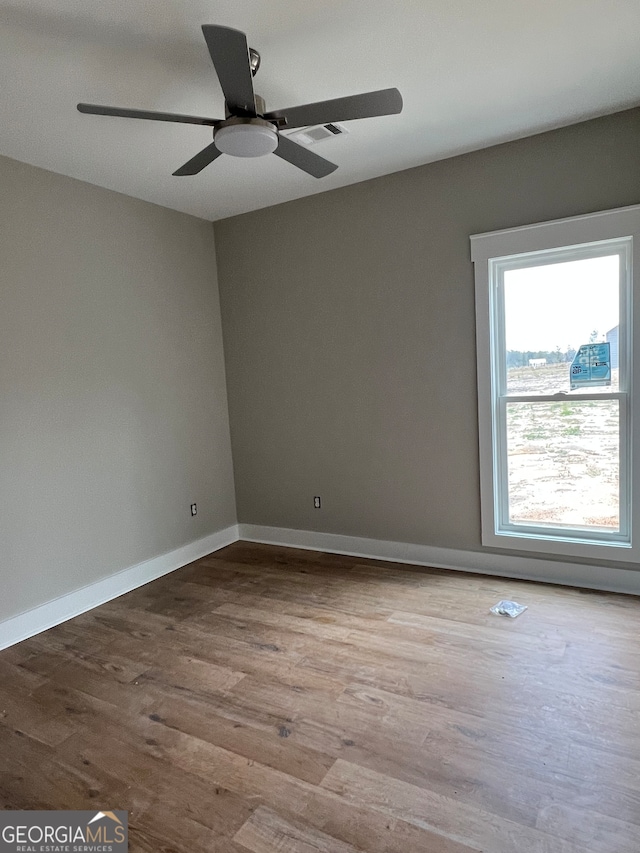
column 269, row 699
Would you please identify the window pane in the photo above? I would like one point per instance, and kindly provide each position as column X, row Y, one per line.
column 563, row 464
column 551, row 310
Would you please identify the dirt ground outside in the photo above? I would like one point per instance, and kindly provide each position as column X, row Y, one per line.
column 563, row 456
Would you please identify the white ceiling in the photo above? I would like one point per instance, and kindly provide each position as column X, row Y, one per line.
column 471, row 73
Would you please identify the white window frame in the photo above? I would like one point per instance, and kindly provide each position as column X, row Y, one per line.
column 551, row 242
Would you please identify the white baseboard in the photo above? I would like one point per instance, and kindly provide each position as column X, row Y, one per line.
column 25, row 625
column 479, row 562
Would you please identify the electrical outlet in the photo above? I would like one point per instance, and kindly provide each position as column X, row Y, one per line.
column 316, row 502
column 194, row 509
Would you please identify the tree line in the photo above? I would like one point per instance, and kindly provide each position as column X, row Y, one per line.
column 520, row 358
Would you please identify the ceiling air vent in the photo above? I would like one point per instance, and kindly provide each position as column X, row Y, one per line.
column 312, row 135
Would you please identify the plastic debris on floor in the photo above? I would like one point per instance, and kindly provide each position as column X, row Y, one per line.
column 508, row 608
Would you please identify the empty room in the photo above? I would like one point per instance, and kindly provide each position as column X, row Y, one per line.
column 319, row 427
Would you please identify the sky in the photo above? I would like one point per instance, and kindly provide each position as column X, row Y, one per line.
column 561, row 304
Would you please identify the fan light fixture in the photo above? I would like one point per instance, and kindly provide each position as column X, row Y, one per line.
column 252, row 137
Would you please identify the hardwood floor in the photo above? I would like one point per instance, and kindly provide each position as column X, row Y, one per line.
column 270, row 699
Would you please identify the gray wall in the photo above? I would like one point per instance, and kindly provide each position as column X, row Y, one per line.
column 113, row 410
column 348, row 321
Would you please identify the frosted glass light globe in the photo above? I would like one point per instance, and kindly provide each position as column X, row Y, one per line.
column 246, row 140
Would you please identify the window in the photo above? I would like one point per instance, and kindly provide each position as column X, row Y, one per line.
column 556, row 390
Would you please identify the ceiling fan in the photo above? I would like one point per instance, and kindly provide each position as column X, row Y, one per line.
column 248, row 130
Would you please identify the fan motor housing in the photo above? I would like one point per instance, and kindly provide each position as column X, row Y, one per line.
column 261, row 107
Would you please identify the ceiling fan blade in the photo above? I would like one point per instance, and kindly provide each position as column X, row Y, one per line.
column 306, row 160
column 230, row 55
column 98, row 110
column 197, row 163
column 381, row 103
